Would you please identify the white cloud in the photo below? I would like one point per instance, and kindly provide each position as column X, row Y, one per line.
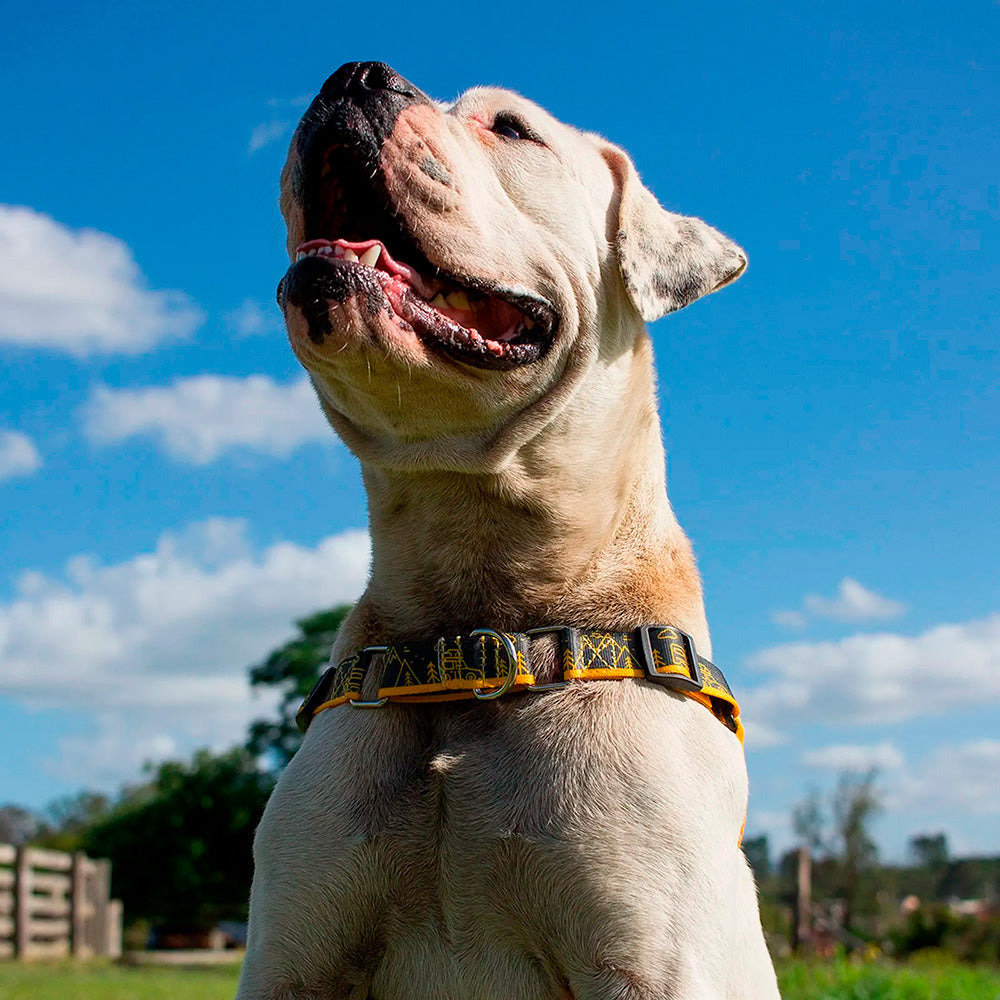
column 789, row 619
column 952, row 779
column 196, row 419
column 18, row 455
column 876, row 678
column 155, row 649
column 853, row 603
column 80, row 291
column 855, row 758
column 251, row 319
column 267, row 132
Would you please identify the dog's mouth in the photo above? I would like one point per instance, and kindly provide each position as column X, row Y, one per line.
column 351, row 226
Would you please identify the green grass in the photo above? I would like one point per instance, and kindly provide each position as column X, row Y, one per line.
column 937, row 979
column 940, row 979
column 100, row 981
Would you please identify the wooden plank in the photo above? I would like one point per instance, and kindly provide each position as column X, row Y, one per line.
column 6, row 927
column 22, row 896
column 48, row 930
column 50, row 883
column 79, row 945
column 57, row 861
column 42, row 906
column 8, row 854
column 101, row 928
column 111, row 946
column 48, row 949
column 6, row 902
column 6, row 949
column 7, row 878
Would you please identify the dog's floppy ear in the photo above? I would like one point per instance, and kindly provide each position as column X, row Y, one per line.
column 667, row 261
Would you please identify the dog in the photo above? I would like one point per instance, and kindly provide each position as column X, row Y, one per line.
column 468, row 292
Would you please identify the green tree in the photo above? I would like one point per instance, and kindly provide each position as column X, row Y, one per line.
column 758, row 854
column 930, row 850
column 855, row 804
column 181, row 844
column 293, row 669
column 17, row 824
column 66, row 820
column 809, row 822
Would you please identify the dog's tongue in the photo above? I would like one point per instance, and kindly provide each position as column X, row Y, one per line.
column 493, row 319
column 485, row 317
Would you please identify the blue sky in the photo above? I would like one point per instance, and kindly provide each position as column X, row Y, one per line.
column 171, row 499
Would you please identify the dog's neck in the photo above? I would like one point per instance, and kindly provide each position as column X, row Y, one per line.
column 575, row 529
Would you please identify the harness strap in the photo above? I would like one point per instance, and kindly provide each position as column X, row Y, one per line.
column 487, row 664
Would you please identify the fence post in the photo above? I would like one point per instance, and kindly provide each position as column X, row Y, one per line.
column 102, row 891
column 78, row 906
column 22, row 901
column 802, row 929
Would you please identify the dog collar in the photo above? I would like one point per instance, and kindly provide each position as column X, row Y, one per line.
column 486, row 664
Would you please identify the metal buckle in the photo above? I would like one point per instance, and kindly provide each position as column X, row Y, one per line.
column 488, row 695
column 679, row 682
column 569, row 639
column 365, row 658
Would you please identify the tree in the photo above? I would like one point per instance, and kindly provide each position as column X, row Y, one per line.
column 758, row 854
column 65, row 820
column 17, row 825
column 293, row 669
column 855, row 803
column 840, row 839
column 930, row 850
column 181, row 844
column 809, row 822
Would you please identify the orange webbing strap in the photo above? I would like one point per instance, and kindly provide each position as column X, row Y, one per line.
column 488, row 663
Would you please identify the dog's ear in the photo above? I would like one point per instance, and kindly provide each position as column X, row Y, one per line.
column 667, row 261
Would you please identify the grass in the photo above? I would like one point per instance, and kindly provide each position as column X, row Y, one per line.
column 102, row 981
column 936, row 979
column 939, row 979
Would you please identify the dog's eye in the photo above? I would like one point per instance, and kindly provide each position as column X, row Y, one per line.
column 511, row 127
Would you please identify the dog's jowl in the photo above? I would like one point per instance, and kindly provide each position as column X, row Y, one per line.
column 522, row 777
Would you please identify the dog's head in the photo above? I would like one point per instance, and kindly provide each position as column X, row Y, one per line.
column 457, row 272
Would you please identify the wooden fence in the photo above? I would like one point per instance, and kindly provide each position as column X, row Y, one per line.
column 53, row 905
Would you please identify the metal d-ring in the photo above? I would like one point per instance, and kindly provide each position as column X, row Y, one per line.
column 365, row 658
column 564, row 635
column 511, row 668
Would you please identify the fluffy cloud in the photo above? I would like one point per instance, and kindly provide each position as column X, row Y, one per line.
column 80, row 291
column 267, row 132
column 855, row 758
column 952, row 779
column 852, row 603
column 155, row 649
column 251, row 319
column 18, row 455
column 876, row 678
column 196, row 419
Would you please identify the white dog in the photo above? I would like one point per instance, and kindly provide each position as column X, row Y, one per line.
column 517, row 815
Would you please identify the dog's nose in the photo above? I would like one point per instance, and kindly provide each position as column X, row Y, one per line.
column 363, row 80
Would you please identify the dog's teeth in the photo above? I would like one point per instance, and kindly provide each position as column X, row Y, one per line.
column 338, row 251
column 371, row 255
column 439, row 301
column 301, row 255
column 325, row 250
column 458, row 300
column 350, row 255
